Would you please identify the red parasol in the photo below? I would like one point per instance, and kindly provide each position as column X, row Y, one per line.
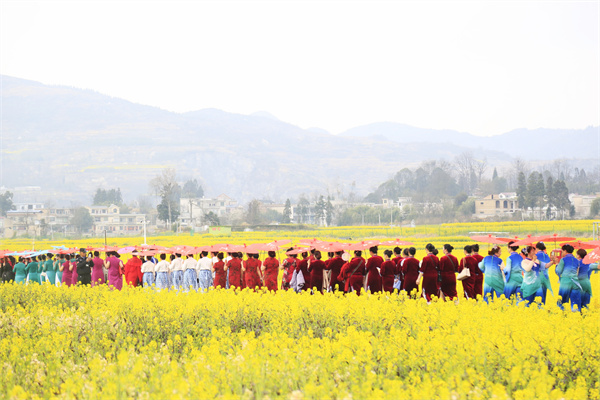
column 592, row 257
column 395, row 242
column 146, row 253
column 555, row 238
column 329, row 247
column 279, row 243
column 581, row 245
column 488, row 239
column 528, row 240
column 105, row 249
column 298, row 250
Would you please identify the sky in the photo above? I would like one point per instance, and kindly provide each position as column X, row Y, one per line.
column 474, row 66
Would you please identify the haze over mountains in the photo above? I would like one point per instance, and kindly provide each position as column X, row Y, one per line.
column 71, row 141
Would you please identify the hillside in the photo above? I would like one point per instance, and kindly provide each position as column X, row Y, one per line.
column 71, row 141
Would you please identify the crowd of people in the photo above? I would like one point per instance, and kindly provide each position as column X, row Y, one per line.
column 523, row 276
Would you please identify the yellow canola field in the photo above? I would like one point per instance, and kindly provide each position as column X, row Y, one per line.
column 81, row 342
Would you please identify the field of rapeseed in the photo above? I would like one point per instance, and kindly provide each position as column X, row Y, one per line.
column 84, row 342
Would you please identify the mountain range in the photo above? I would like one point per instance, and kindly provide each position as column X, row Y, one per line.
column 71, row 141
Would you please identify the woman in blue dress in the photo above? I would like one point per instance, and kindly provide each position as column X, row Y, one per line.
column 585, row 271
column 533, row 276
column 49, row 269
column 20, row 270
column 492, row 266
column 34, row 272
column 513, row 273
column 567, row 270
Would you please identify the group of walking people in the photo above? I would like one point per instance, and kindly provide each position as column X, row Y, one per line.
column 524, row 276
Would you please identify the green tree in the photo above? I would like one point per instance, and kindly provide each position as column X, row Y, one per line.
column 211, row 219
column 166, row 187
column 320, row 208
column 329, row 210
column 104, row 197
column 595, row 207
column 82, row 220
column 6, row 203
column 192, row 189
column 287, row 212
column 522, row 191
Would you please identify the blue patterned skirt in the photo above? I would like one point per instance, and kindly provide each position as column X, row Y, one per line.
column 190, row 280
column 177, row 282
column 162, row 280
column 148, row 279
column 204, row 279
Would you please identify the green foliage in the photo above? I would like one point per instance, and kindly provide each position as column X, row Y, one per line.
column 522, row 190
column 192, row 189
column 595, row 207
column 287, row 212
column 107, row 197
column 211, row 219
column 82, row 220
column 6, row 203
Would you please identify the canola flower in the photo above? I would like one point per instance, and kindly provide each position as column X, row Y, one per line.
column 82, row 342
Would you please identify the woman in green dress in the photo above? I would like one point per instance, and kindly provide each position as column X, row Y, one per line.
column 34, row 270
column 492, row 267
column 534, row 279
column 20, row 270
column 57, row 264
column 49, row 269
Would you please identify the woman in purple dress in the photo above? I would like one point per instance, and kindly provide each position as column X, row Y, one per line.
column 67, row 271
column 115, row 268
column 97, row 271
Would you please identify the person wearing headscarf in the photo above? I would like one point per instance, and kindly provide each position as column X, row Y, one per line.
column 270, row 270
column 448, row 267
column 428, row 274
column 585, row 271
column 133, row 271
column 567, row 270
column 492, row 266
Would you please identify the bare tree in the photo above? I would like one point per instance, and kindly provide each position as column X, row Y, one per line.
column 480, row 167
column 464, row 163
column 166, row 187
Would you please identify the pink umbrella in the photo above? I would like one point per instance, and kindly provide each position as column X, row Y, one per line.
column 126, row 250
column 528, row 240
column 592, row 257
column 395, row 242
column 489, row 239
column 299, row 250
column 279, row 243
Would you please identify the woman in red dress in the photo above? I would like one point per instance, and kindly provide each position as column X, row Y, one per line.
column 220, row 272
column 316, row 269
column 353, row 272
column 289, row 266
column 374, row 277
column 335, row 266
column 398, row 279
column 251, row 269
column 471, row 263
column 270, row 270
column 448, row 266
column 428, row 273
column 303, row 267
column 478, row 284
column 410, row 271
column 234, row 266
column 133, row 271
column 388, row 271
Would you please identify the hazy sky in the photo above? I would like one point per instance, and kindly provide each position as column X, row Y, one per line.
column 481, row 67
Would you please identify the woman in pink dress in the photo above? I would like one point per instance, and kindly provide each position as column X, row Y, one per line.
column 67, row 271
column 115, row 270
column 97, row 271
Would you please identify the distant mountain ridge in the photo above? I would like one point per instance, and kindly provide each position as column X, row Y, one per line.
column 72, row 141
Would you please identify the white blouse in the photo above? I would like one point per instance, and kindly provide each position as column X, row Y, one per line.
column 205, row 263
column 162, row 266
column 177, row 264
column 148, row 266
column 189, row 263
